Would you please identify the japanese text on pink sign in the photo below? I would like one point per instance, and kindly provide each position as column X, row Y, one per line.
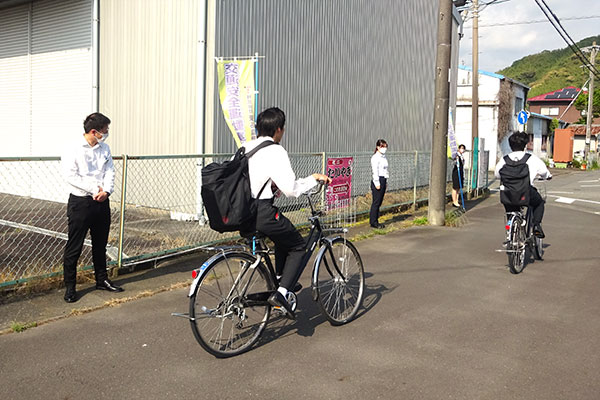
column 340, row 171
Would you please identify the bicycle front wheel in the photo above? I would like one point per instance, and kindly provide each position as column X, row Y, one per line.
column 538, row 249
column 224, row 321
column 339, row 281
column 516, row 246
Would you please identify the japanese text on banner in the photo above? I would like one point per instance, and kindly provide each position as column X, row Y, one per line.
column 340, row 171
column 236, row 92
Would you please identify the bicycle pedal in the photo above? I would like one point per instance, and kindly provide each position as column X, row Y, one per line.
column 279, row 310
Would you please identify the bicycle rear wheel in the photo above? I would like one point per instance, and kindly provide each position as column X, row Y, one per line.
column 516, row 246
column 339, row 281
column 224, row 321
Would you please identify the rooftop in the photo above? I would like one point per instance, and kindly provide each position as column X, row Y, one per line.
column 493, row 75
column 565, row 94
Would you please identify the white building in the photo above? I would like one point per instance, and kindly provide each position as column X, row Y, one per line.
column 500, row 100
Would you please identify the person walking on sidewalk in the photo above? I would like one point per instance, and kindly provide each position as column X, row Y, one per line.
column 379, row 165
column 89, row 171
column 458, row 175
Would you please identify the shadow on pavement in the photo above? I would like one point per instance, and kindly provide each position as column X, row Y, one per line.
column 309, row 315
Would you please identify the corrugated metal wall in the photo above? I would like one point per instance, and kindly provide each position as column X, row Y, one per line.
column 346, row 72
column 148, row 64
column 45, row 75
column 15, row 87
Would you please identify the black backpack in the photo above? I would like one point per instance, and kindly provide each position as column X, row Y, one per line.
column 514, row 176
column 226, row 192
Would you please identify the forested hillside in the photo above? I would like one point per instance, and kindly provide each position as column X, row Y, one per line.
column 551, row 70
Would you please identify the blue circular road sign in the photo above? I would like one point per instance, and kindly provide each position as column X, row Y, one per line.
column 523, row 117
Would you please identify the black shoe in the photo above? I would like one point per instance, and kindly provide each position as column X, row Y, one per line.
column 70, row 295
column 108, row 285
column 278, row 300
column 537, row 231
column 378, row 226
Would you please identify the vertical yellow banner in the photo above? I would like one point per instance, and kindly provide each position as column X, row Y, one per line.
column 236, row 92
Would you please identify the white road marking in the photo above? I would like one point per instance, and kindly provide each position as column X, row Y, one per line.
column 595, row 180
column 590, row 185
column 111, row 251
column 561, row 192
column 564, row 200
column 569, row 200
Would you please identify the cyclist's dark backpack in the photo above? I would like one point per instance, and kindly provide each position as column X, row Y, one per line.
column 226, row 192
column 514, row 176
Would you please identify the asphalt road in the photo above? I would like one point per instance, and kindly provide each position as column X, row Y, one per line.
column 443, row 319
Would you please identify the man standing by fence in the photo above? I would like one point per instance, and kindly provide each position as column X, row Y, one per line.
column 89, row 171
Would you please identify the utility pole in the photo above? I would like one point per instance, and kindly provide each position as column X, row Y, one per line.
column 437, row 179
column 590, row 114
column 474, row 94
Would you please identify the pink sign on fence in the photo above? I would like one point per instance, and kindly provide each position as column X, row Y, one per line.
column 340, row 171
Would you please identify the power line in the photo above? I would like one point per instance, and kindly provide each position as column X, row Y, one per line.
column 565, row 31
column 536, row 21
column 572, row 45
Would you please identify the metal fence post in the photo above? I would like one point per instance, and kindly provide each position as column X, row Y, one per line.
column 122, row 215
column 416, row 175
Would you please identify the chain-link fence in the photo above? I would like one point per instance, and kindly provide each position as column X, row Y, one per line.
column 156, row 207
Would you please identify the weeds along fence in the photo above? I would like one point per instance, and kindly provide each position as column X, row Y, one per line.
column 156, row 207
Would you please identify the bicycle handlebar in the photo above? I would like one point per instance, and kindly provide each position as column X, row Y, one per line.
column 320, row 185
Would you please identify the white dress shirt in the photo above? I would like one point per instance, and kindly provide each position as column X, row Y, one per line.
column 537, row 168
column 87, row 169
column 379, row 165
column 272, row 162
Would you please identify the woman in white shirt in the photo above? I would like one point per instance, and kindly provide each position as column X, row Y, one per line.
column 379, row 166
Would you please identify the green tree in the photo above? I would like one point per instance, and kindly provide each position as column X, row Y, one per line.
column 582, row 104
column 553, row 125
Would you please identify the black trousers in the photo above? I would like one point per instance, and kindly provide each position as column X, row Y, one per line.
column 535, row 202
column 83, row 214
column 377, row 200
column 290, row 246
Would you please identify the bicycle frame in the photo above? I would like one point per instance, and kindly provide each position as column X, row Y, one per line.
column 260, row 251
column 526, row 216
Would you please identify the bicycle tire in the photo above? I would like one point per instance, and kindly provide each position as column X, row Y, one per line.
column 516, row 246
column 538, row 248
column 339, row 299
column 222, row 322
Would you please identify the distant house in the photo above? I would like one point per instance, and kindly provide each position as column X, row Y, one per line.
column 553, row 104
column 579, row 132
column 569, row 143
column 500, row 100
column 538, row 130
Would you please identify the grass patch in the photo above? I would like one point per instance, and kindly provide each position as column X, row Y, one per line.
column 21, row 326
column 420, row 221
column 452, row 218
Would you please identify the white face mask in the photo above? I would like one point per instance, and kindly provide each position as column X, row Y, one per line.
column 104, row 137
column 382, row 150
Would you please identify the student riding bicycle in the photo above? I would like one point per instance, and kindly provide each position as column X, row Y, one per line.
column 517, row 160
column 272, row 163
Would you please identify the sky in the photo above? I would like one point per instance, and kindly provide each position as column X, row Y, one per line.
column 500, row 46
